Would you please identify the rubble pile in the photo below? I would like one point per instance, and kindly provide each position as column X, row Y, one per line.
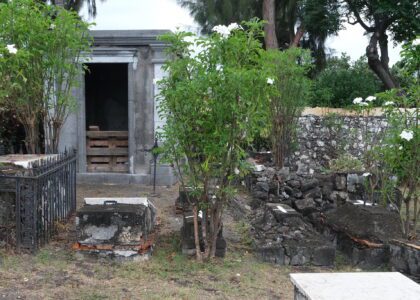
column 324, row 212
column 307, row 193
column 282, row 237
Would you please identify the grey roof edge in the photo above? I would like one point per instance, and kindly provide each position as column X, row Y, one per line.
column 127, row 37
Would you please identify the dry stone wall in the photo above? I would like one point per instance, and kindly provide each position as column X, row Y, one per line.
column 323, row 138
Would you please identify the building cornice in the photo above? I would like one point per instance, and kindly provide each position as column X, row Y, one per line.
column 127, row 38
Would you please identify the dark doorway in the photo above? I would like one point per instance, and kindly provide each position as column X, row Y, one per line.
column 106, row 88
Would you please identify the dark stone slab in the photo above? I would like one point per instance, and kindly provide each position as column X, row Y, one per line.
column 188, row 241
column 374, row 223
column 405, row 257
column 362, row 255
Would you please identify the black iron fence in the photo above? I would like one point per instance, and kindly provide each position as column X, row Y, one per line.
column 45, row 194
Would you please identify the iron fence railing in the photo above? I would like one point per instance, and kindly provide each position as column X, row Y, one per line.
column 45, row 194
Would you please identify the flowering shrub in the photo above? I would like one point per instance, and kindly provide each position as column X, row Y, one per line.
column 289, row 88
column 213, row 99
column 40, row 47
column 400, row 152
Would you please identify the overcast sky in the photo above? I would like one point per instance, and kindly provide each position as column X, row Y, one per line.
column 167, row 14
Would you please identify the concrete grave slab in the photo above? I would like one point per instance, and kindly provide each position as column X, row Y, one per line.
column 24, row 160
column 128, row 200
column 354, row 286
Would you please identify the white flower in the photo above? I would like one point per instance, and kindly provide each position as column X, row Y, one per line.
column 270, row 81
column 389, row 103
column 219, row 68
column 52, row 26
column 222, row 30
column 416, row 42
column 367, row 174
column 225, row 31
column 11, row 48
column 195, row 46
column 363, row 104
column 237, row 171
column 370, row 98
column 407, row 135
column 233, row 26
column 400, row 147
column 189, row 39
column 358, row 100
column 238, row 275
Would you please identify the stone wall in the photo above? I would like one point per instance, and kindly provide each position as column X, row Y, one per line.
column 323, row 138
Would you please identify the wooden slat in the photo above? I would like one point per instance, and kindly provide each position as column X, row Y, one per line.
column 120, row 143
column 99, row 134
column 99, row 159
column 93, row 128
column 122, row 159
column 107, row 151
column 97, row 143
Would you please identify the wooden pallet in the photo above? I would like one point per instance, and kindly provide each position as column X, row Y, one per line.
column 107, row 151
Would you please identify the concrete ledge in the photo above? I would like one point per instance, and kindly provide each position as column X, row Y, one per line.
column 118, row 178
column 354, row 286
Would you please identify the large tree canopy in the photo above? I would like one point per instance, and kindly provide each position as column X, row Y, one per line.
column 76, row 5
column 307, row 21
column 399, row 18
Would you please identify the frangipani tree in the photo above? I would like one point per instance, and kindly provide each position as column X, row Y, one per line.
column 40, row 46
column 214, row 101
column 400, row 149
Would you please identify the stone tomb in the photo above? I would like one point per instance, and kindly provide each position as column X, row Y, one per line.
column 354, row 286
column 116, row 227
column 115, row 125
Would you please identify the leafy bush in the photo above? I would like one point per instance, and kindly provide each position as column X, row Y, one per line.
column 289, row 91
column 400, row 149
column 346, row 163
column 214, row 100
column 342, row 81
column 40, row 47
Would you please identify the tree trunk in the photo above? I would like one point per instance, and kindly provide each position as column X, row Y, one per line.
column 298, row 36
column 379, row 65
column 269, row 15
column 196, row 235
column 216, row 222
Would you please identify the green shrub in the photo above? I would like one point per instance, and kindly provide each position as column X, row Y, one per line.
column 342, row 81
column 346, row 163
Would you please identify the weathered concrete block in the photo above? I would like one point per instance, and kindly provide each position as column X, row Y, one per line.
column 122, row 228
column 117, row 224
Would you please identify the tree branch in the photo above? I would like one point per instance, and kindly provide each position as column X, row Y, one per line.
column 358, row 18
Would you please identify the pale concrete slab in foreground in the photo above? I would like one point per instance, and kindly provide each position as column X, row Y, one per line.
column 119, row 200
column 354, row 286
